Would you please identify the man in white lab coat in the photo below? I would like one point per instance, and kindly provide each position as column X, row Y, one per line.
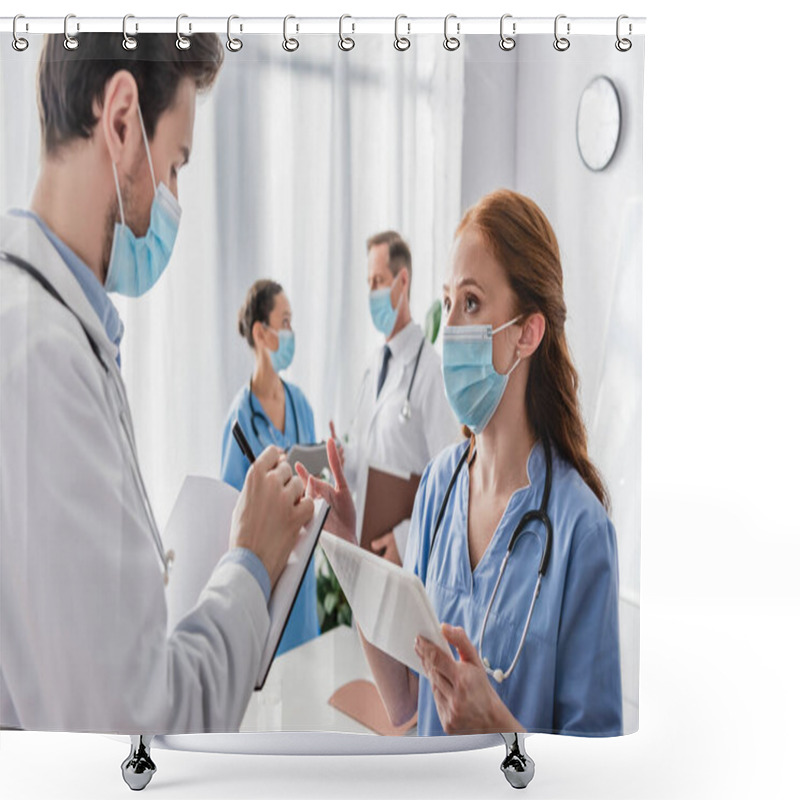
column 83, row 620
column 402, row 417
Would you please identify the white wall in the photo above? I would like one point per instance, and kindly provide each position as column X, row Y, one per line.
column 519, row 132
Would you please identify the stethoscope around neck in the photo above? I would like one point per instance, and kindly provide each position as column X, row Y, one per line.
column 255, row 414
column 539, row 515
column 405, row 411
column 166, row 557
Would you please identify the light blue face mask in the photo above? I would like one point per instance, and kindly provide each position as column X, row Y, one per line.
column 136, row 263
column 472, row 385
column 282, row 357
column 380, row 306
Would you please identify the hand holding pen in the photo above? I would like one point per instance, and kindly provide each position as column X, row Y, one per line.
column 271, row 508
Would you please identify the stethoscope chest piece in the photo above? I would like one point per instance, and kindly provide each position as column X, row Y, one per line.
column 405, row 412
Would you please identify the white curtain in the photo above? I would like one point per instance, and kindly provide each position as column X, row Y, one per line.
column 297, row 159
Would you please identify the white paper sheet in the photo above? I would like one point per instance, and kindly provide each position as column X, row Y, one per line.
column 389, row 603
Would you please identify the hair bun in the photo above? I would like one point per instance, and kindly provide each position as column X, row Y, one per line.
column 243, row 321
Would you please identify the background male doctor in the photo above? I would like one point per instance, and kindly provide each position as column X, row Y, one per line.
column 380, row 435
column 83, row 639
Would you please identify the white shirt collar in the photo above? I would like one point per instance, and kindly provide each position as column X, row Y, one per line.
column 405, row 344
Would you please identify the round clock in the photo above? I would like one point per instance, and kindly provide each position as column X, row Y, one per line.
column 599, row 123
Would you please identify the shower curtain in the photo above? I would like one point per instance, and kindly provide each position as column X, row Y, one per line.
column 298, row 159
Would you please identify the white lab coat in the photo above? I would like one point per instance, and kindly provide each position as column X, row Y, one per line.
column 83, row 618
column 378, row 438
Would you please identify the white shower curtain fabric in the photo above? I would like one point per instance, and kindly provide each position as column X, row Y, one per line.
column 297, row 159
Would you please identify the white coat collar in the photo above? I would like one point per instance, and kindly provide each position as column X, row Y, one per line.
column 405, row 344
column 21, row 236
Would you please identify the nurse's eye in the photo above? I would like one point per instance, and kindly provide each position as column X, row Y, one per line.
column 446, row 304
column 471, row 304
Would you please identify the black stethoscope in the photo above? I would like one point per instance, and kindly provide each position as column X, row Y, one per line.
column 167, row 557
column 405, row 412
column 254, row 414
column 539, row 515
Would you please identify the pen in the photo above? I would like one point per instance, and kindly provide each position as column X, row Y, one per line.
column 238, row 434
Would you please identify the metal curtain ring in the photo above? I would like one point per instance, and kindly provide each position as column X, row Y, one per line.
column 623, row 45
column 233, row 44
column 346, row 43
column 181, row 42
column 18, row 42
column 401, row 43
column 128, row 42
column 451, row 42
column 507, row 42
column 290, row 44
column 70, row 42
column 561, row 43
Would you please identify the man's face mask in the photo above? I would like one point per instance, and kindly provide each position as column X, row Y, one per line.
column 136, row 263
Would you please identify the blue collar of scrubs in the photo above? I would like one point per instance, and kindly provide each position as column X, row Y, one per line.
column 280, row 438
column 95, row 292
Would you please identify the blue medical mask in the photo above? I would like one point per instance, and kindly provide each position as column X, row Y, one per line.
column 380, row 306
column 472, row 385
column 136, row 263
column 282, row 357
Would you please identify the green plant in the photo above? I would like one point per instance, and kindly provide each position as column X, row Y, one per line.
column 332, row 606
column 433, row 321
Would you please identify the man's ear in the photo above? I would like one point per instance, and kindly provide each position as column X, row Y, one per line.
column 119, row 117
column 532, row 334
column 405, row 281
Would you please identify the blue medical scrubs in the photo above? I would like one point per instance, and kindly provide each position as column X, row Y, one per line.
column 303, row 622
column 567, row 679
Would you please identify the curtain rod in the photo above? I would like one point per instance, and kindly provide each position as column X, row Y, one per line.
column 324, row 25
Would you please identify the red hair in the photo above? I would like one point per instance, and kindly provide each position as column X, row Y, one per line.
column 523, row 242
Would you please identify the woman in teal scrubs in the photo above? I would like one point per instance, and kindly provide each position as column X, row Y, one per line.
column 509, row 377
column 271, row 410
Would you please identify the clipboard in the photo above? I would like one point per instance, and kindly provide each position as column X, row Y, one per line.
column 314, row 457
column 198, row 530
column 389, row 499
column 284, row 594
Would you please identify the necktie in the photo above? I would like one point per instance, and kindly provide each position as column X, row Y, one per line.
column 387, row 354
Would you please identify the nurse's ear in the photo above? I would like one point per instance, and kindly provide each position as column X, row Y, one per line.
column 263, row 338
column 532, row 334
column 118, row 124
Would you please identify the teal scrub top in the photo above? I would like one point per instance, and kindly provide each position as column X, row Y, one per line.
column 567, row 679
column 303, row 623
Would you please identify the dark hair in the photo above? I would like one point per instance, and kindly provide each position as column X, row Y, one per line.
column 399, row 251
column 523, row 241
column 70, row 81
column 257, row 307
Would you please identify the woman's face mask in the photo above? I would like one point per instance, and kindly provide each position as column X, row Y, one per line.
column 136, row 263
column 472, row 385
column 282, row 357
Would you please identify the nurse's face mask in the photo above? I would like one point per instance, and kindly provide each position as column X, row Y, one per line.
column 380, row 307
column 282, row 357
column 137, row 262
column 473, row 387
